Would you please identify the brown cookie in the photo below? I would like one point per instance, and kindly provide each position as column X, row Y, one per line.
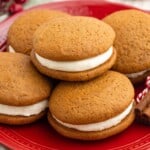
column 73, row 47
column 95, row 109
column 24, row 92
column 21, row 32
column 132, row 43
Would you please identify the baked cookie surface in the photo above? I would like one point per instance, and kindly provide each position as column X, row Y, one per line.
column 132, row 43
column 24, row 92
column 73, row 38
column 21, row 31
column 92, row 107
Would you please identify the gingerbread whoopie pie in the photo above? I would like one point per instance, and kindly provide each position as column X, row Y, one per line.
column 24, row 92
column 132, row 43
column 21, row 31
column 74, row 48
column 94, row 109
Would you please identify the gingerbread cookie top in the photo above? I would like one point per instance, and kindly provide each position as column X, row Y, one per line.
column 132, row 42
column 21, row 32
column 73, row 38
column 20, row 83
column 93, row 101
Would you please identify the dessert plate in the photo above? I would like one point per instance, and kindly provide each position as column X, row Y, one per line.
column 40, row 135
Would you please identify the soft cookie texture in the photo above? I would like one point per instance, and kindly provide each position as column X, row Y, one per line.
column 21, row 85
column 21, row 32
column 132, row 42
column 73, row 39
column 91, row 102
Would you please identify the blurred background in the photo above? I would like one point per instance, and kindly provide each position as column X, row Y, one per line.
column 143, row 4
column 9, row 7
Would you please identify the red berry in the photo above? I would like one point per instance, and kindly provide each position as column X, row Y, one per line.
column 20, row 1
column 14, row 8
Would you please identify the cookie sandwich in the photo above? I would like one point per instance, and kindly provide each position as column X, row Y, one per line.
column 132, row 43
column 74, row 48
column 21, row 31
column 92, row 110
column 24, row 92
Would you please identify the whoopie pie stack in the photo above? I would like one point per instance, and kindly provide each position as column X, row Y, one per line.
column 90, row 102
column 24, row 92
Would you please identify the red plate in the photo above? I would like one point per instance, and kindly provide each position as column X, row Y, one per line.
column 40, row 136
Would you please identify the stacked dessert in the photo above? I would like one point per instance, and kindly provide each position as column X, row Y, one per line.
column 81, row 49
column 90, row 102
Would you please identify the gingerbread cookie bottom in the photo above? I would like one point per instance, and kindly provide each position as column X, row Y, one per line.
column 96, row 135
column 75, row 76
column 20, row 120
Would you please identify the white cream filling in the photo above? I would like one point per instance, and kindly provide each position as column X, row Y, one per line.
column 76, row 66
column 11, row 49
column 24, row 110
column 99, row 126
column 137, row 74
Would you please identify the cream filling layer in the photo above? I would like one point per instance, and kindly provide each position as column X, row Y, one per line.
column 24, row 110
column 76, row 66
column 11, row 49
column 99, row 126
column 137, row 74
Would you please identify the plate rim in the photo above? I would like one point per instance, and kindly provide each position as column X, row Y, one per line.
column 7, row 137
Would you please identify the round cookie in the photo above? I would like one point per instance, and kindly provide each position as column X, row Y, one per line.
column 74, row 48
column 24, row 92
column 21, row 31
column 92, row 110
column 132, row 43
